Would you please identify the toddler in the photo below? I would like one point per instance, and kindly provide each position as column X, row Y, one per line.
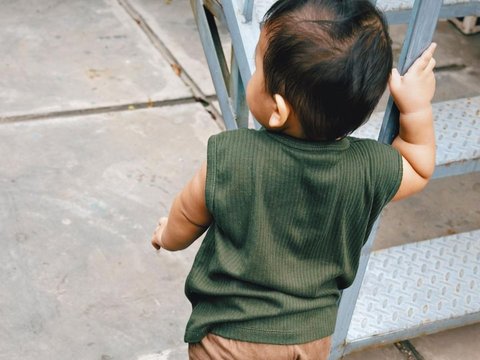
column 289, row 207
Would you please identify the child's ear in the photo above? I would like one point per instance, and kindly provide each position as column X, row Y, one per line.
column 279, row 116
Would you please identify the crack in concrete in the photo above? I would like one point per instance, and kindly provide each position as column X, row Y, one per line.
column 104, row 109
column 407, row 349
column 174, row 63
column 450, row 67
column 198, row 95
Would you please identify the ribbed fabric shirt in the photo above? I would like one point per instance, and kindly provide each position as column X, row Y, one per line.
column 290, row 219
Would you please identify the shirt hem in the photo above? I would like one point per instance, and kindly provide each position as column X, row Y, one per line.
column 324, row 326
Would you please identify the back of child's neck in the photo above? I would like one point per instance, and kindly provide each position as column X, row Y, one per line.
column 300, row 134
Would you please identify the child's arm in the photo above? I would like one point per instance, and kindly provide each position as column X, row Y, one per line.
column 412, row 94
column 188, row 218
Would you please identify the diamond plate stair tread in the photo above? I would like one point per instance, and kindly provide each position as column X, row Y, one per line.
column 261, row 6
column 457, row 128
column 415, row 284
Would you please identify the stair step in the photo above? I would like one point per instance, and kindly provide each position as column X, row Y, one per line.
column 398, row 5
column 410, row 289
column 398, row 11
column 451, row 8
column 457, row 127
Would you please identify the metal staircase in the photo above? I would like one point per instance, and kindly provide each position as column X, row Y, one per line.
column 399, row 292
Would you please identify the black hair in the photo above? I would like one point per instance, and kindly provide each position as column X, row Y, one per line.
column 330, row 59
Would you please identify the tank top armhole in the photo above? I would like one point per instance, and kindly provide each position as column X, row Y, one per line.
column 211, row 173
column 398, row 178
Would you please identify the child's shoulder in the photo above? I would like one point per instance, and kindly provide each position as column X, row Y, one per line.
column 235, row 143
column 373, row 151
column 237, row 133
column 370, row 144
column 362, row 141
column 238, row 136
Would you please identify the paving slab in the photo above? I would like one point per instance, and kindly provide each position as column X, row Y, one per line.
column 65, row 55
column 461, row 343
column 446, row 206
column 380, row 353
column 454, row 48
column 457, row 56
column 457, row 72
column 174, row 24
column 79, row 200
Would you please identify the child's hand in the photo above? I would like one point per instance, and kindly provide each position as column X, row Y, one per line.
column 157, row 234
column 414, row 91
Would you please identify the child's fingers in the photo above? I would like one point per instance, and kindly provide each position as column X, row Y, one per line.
column 428, row 54
column 431, row 65
column 422, row 62
column 158, row 233
column 430, row 50
column 154, row 243
column 395, row 79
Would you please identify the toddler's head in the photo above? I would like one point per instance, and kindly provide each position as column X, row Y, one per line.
column 328, row 60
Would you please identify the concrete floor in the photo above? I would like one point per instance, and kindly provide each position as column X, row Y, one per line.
column 113, row 132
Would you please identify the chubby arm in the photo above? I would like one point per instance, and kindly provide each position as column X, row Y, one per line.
column 413, row 94
column 188, row 218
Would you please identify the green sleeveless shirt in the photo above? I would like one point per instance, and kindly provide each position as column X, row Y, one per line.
column 290, row 219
